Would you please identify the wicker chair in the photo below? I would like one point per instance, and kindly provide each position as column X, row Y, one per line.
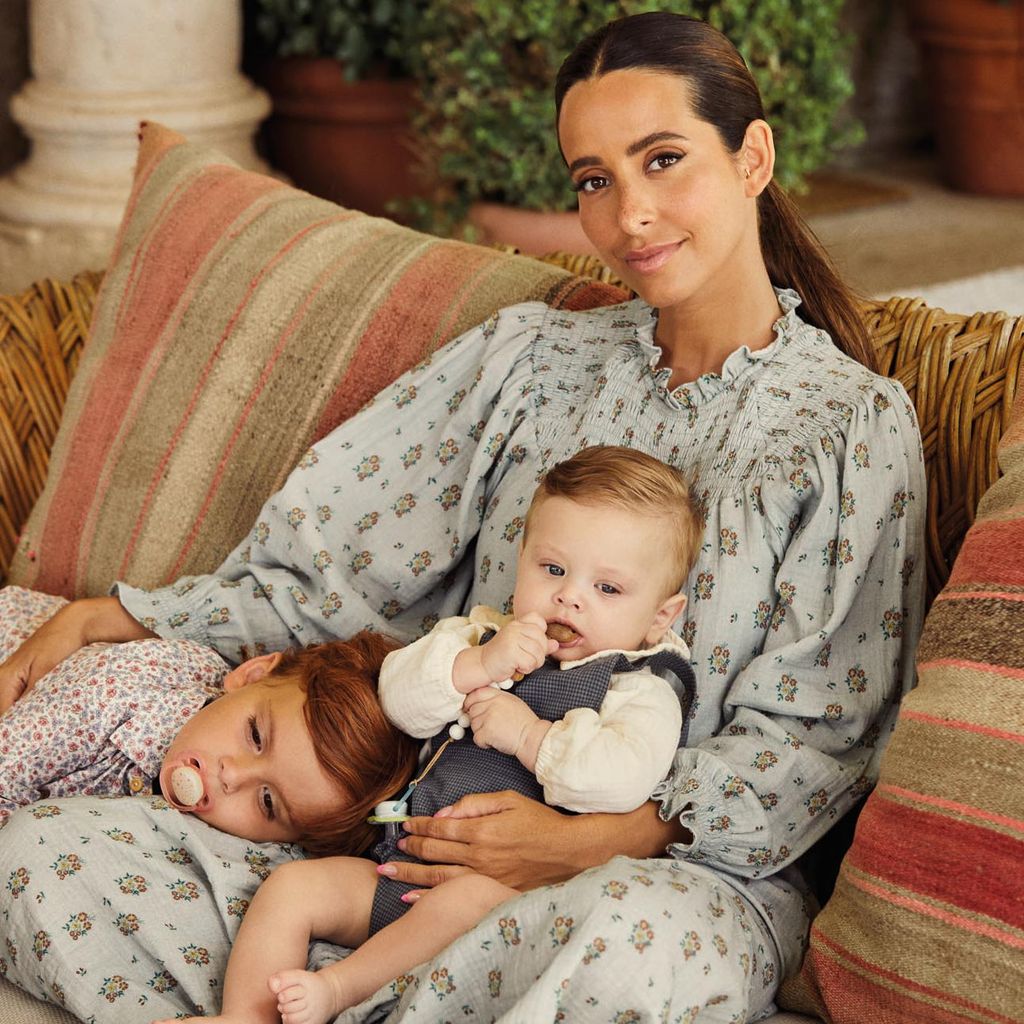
column 960, row 372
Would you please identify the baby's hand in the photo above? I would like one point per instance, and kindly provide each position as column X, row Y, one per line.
column 499, row 719
column 519, row 647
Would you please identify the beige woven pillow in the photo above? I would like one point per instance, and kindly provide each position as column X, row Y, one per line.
column 239, row 321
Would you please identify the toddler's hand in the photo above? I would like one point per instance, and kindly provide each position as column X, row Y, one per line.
column 499, row 719
column 521, row 646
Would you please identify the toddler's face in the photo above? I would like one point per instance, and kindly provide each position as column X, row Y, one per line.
column 255, row 757
column 600, row 570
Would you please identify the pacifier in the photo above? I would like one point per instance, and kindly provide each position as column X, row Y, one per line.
column 187, row 785
column 390, row 811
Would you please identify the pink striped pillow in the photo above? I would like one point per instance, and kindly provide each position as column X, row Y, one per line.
column 926, row 923
column 239, row 320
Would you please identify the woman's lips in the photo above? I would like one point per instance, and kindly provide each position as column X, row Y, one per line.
column 651, row 257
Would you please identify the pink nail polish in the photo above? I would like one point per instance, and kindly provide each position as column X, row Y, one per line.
column 409, row 897
column 386, row 869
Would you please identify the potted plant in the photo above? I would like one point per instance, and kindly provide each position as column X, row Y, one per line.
column 341, row 95
column 486, row 72
column 973, row 56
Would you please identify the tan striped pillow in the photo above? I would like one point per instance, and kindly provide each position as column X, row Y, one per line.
column 926, row 924
column 240, row 319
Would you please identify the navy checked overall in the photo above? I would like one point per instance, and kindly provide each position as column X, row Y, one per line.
column 551, row 693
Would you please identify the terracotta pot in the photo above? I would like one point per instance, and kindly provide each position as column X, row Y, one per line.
column 532, row 231
column 349, row 142
column 973, row 54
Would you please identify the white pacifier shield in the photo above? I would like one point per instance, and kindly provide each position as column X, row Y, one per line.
column 390, row 808
column 187, row 785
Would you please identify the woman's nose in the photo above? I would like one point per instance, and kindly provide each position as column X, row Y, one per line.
column 635, row 209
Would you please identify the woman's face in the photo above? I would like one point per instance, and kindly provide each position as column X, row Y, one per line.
column 667, row 206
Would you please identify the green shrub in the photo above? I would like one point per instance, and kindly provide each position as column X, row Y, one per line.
column 368, row 37
column 486, row 72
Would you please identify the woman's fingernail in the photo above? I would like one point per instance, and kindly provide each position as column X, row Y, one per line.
column 409, row 897
column 387, row 869
column 401, row 843
column 444, row 812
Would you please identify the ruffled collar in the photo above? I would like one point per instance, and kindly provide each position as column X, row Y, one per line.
column 737, row 364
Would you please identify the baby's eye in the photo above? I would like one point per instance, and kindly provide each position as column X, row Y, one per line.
column 254, row 733
column 267, row 804
column 607, row 588
column 554, row 570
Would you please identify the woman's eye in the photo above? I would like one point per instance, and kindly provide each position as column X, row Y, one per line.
column 663, row 160
column 254, row 733
column 554, row 570
column 607, row 588
column 267, row 804
column 592, row 184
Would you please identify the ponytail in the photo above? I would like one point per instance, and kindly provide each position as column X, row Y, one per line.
column 796, row 259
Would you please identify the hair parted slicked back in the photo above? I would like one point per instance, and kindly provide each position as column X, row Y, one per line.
column 634, row 481
column 366, row 756
column 724, row 94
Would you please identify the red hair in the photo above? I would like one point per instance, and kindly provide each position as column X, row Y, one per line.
column 362, row 752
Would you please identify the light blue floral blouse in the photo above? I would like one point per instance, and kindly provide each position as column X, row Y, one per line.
column 804, row 606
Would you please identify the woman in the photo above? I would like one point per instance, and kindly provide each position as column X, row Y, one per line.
column 805, row 602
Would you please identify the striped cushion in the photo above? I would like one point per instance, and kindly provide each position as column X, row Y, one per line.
column 927, row 920
column 239, row 321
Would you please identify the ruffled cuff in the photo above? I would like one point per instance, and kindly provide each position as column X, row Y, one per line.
column 723, row 814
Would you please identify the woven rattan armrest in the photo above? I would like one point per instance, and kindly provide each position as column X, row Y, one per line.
column 42, row 332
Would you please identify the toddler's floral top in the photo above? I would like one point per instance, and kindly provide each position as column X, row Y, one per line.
column 100, row 722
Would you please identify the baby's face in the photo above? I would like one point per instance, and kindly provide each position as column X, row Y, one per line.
column 598, row 569
column 255, row 759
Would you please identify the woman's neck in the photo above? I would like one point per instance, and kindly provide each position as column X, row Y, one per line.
column 697, row 337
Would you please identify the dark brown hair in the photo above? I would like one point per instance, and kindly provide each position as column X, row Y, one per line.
column 361, row 751
column 725, row 95
column 631, row 480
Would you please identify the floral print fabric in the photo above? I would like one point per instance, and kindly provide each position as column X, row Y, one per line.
column 602, row 948
column 100, row 721
column 123, row 909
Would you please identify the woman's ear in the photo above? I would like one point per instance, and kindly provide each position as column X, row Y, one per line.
column 756, row 158
column 251, row 671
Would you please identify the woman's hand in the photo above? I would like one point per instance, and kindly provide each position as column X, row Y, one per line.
column 523, row 843
column 75, row 625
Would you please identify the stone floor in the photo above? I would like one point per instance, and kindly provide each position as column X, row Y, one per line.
column 929, row 233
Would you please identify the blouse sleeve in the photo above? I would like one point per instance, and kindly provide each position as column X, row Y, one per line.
column 804, row 720
column 416, row 690
column 371, row 528
column 611, row 759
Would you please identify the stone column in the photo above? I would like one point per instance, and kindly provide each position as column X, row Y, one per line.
column 98, row 68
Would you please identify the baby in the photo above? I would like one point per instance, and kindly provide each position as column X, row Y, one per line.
column 287, row 747
column 609, row 539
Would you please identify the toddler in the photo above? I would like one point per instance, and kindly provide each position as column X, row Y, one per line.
column 287, row 747
column 608, row 541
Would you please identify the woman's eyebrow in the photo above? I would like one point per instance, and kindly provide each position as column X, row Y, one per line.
column 632, row 149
